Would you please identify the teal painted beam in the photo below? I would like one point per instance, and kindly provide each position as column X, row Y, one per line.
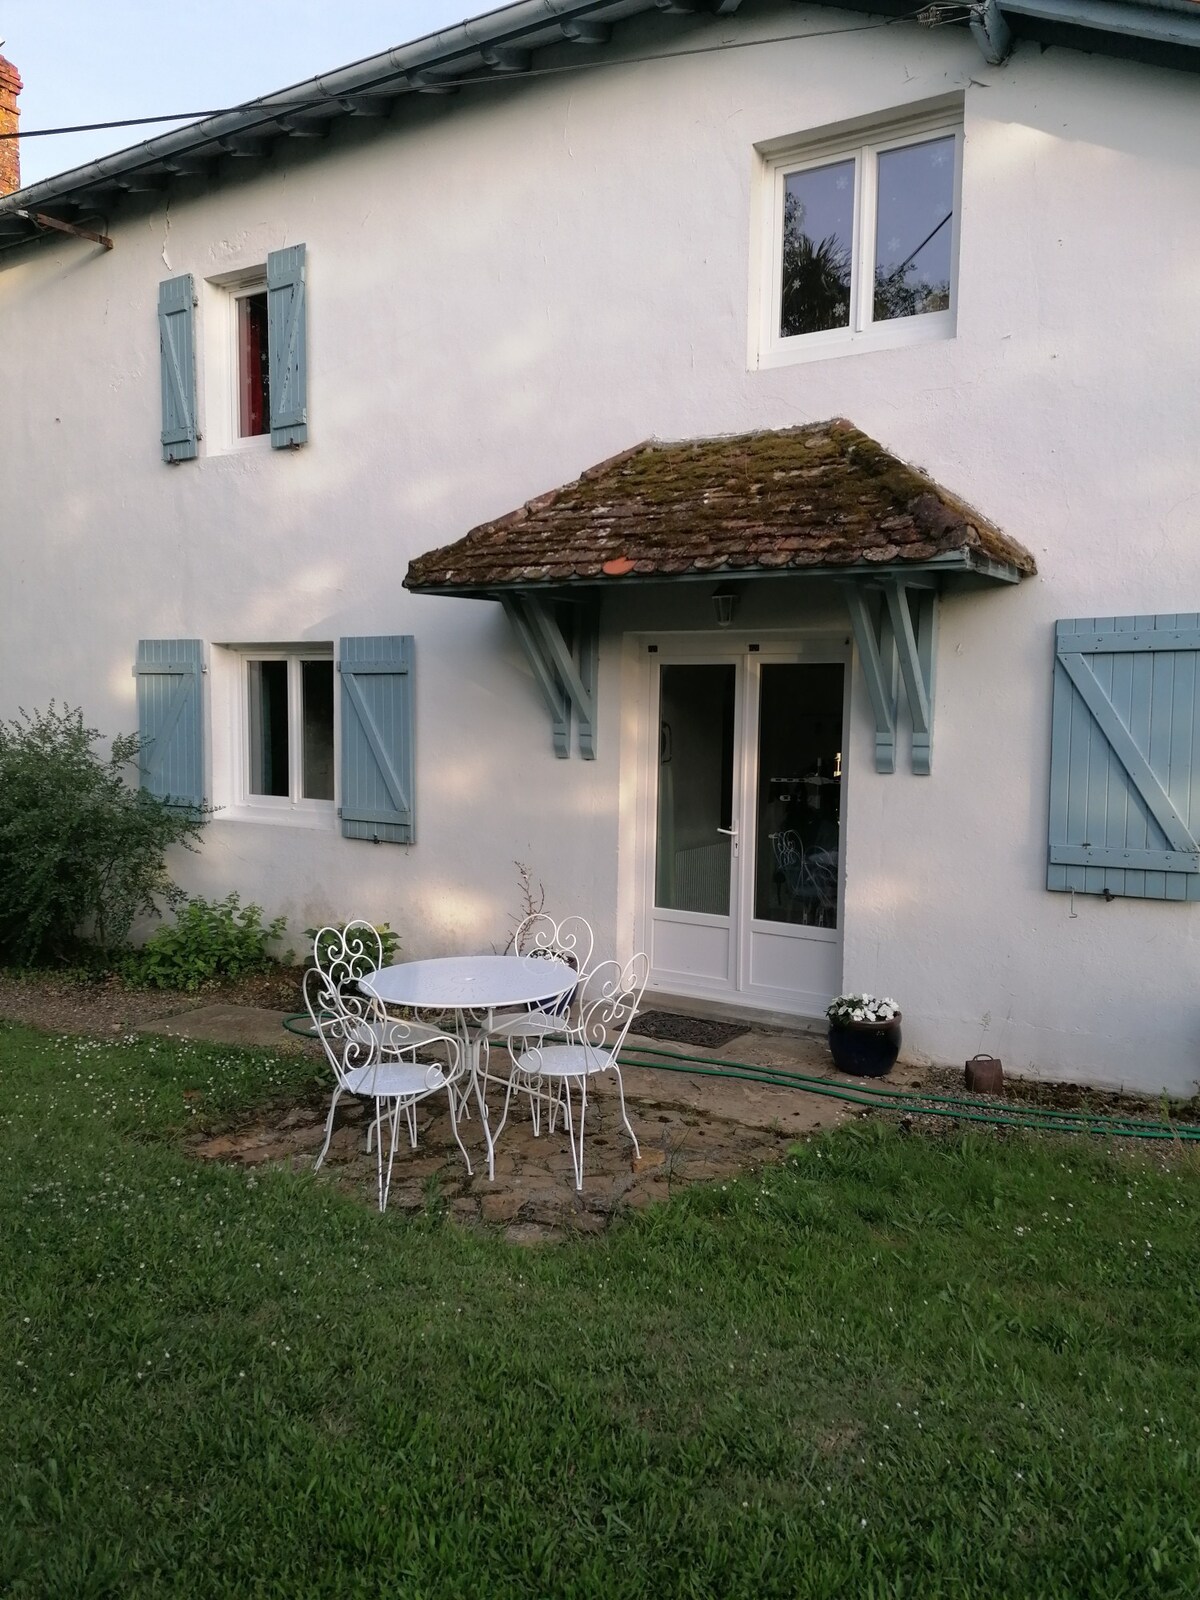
column 877, row 657
column 557, row 703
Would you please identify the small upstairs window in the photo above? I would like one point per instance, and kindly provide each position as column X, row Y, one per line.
column 255, row 355
column 859, row 241
column 253, row 362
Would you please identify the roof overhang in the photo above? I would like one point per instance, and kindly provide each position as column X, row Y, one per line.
column 819, row 503
column 966, row 569
column 505, row 43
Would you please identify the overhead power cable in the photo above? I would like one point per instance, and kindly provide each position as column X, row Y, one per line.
column 478, row 80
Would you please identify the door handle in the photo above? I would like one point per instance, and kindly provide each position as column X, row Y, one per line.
column 732, row 833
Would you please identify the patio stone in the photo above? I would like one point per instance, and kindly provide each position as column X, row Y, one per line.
column 691, row 1128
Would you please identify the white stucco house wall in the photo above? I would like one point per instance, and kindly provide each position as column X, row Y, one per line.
column 341, row 328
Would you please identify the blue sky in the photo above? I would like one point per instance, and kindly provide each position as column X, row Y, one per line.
column 93, row 60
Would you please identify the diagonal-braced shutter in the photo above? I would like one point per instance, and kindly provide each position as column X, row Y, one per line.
column 171, row 719
column 377, row 738
column 177, row 349
column 1125, row 757
column 287, row 341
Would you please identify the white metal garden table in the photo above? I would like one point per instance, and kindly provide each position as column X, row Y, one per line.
column 473, row 987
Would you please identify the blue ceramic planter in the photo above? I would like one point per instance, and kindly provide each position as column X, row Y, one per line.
column 865, row 1049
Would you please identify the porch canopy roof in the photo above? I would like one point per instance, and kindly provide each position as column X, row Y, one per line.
column 818, row 500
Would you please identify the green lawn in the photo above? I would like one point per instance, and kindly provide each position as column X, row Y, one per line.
column 894, row 1367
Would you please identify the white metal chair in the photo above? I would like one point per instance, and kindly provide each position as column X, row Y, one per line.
column 375, row 1057
column 347, row 954
column 610, row 997
column 570, row 940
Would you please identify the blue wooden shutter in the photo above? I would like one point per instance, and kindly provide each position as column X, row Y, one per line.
column 171, row 719
column 1125, row 757
column 177, row 348
column 377, row 738
column 287, row 346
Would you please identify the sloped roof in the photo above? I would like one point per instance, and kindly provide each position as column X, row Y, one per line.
column 823, row 497
column 524, row 36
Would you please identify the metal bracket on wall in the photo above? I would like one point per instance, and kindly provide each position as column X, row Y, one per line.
column 992, row 33
column 566, row 677
column 895, row 629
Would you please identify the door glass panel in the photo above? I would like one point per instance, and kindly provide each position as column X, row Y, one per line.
column 695, row 788
column 799, row 794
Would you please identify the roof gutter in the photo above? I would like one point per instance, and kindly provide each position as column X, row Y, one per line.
column 504, row 27
column 1165, row 21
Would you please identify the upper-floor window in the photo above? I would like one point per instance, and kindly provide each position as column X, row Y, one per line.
column 253, row 362
column 252, row 357
column 860, row 241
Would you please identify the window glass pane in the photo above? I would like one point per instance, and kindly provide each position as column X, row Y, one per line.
column 317, row 681
column 799, row 794
column 268, row 727
column 254, row 384
column 818, row 230
column 695, row 789
column 914, row 229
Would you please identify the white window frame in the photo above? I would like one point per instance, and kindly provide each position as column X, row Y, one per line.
column 223, row 360
column 293, row 807
column 776, row 163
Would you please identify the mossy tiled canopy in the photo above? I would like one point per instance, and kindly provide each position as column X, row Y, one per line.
column 817, row 501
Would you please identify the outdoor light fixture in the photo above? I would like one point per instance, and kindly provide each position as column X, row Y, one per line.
column 725, row 603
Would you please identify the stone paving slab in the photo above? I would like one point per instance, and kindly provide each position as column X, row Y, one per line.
column 237, row 1025
column 691, row 1128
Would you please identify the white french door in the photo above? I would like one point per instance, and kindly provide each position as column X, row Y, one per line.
column 742, row 893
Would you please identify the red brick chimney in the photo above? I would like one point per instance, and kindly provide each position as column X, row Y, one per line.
column 10, row 149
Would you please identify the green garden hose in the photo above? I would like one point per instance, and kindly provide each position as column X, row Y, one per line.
column 879, row 1097
column 916, row 1104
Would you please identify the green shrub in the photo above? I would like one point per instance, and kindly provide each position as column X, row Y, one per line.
column 388, row 938
column 82, row 853
column 210, row 939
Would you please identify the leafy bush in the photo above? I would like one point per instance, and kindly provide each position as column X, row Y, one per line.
column 82, row 853
column 210, row 939
column 388, row 938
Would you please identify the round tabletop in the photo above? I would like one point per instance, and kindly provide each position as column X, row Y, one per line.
column 471, row 983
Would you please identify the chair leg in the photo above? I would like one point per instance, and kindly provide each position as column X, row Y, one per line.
column 337, row 1094
column 576, row 1149
column 508, row 1093
column 624, row 1114
column 454, row 1126
column 379, row 1149
column 535, row 1104
column 385, row 1184
column 411, row 1112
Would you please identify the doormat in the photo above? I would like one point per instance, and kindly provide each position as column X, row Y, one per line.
column 679, row 1029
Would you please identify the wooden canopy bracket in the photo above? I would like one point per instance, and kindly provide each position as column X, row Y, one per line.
column 895, row 629
column 566, row 677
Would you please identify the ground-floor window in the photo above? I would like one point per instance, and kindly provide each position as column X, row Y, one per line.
column 288, row 740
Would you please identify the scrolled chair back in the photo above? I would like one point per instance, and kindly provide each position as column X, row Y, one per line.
column 346, row 1020
column 350, row 952
column 609, row 1002
column 356, row 1032
column 570, row 941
